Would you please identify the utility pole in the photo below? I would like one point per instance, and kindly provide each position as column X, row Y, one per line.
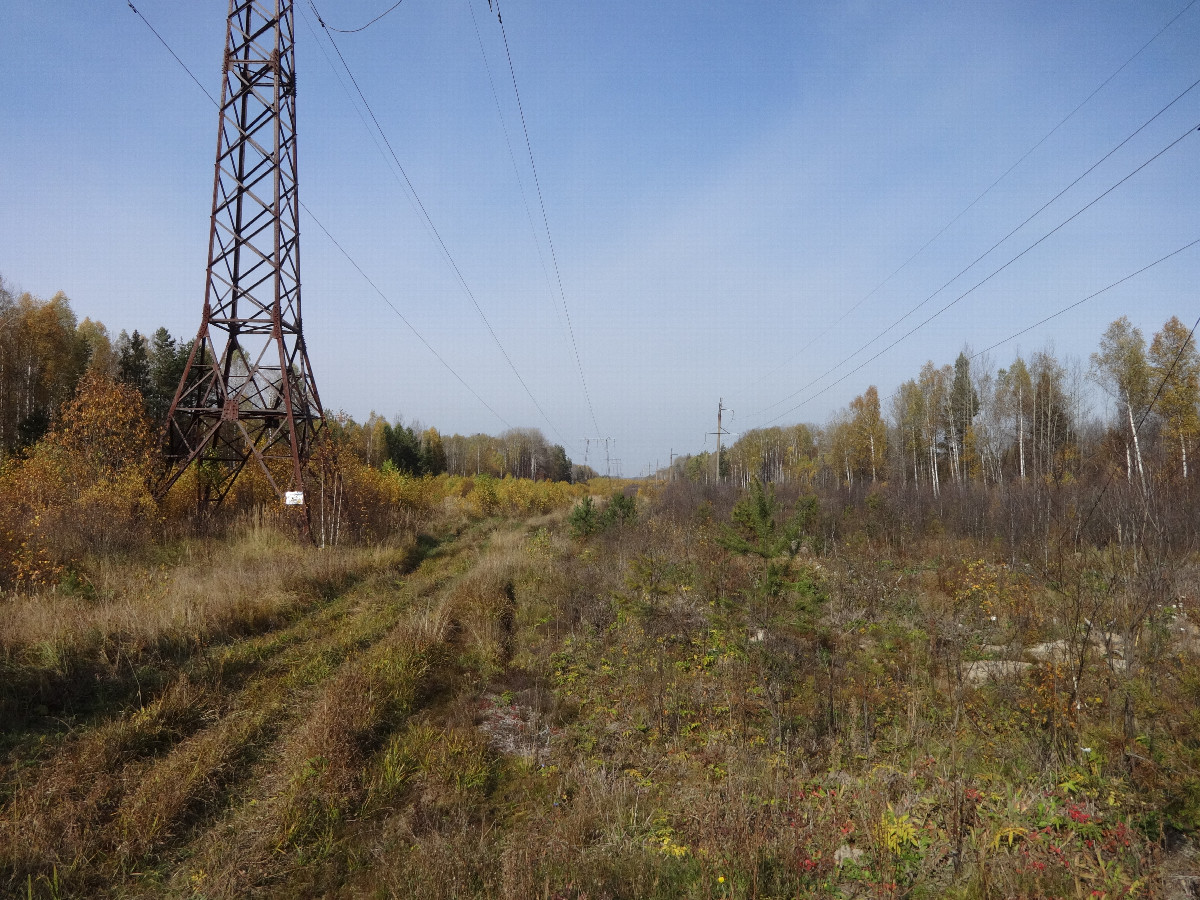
column 721, row 407
column 247, row 391
column 608, row 461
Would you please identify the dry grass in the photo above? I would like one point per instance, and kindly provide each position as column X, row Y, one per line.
column 64, row 814
column 226, row 658
column 706, row 752
column 211, row 588
column 127, row 617
column 697, row 735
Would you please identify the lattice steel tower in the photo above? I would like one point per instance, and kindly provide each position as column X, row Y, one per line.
column 248, row 390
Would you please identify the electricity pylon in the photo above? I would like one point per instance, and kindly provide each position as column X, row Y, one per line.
column 248, row 391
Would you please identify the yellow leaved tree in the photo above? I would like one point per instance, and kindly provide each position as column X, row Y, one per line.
column 84, row 488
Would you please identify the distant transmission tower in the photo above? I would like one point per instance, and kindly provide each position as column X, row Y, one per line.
column 248, row 391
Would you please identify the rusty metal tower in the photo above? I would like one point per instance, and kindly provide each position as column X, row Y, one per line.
column 247, row 391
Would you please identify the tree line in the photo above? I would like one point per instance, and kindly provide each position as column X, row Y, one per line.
column 968, row 422
column 1034, row 420
column 45, row 352
column 416, row 450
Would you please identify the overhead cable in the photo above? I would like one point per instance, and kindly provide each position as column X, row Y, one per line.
column 1191, row 130
column 968, row 207
column 512, row 158
column 433, row 228
column 162, row 41
column 1002, row 240
column 380, row 16
column 1189, row 341
column 335, row 242
column 545, row 219
column 1092, row 296
column 1066, row 309
column 403, row 319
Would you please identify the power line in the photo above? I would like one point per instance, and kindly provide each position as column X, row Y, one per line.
column 512, row 157
column 1069, row 307
column 429, row 223
column 1187, row 342
column 1091, row 296
column 994, row 272
column 545, row 218
column 402, row 318
column 335, row 242
column 380, row 16
column 1149, row 408
column 161, row 40
column 988, row 252
column 988, row 278
column 969, row 206
column 371, row 133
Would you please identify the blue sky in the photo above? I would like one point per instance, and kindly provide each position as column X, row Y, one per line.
column 722, row 181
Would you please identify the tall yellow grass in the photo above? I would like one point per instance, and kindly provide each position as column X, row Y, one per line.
column 214, row 590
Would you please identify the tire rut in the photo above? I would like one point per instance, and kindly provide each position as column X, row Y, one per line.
column 145, row 786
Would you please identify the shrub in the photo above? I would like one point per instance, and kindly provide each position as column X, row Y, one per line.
column 584, row 518
column 621, row 510
column 84, row 488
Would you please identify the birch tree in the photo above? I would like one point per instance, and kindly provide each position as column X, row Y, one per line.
column 1175, row 364
column 1121, row 369
column 1014, row 395
column 868, row 434
column 908, row 413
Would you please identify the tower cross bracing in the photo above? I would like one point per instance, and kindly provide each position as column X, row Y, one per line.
column 248, row 391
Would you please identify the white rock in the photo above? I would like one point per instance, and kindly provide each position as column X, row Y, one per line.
column 984, row 670
column 1054, row 651
column 846, row 853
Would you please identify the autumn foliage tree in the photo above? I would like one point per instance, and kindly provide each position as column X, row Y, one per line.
column 42, row 357
column 1032, row 423
column 84, row 488
column 868, row 434
column 1175, row 365
column 1121, row 369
